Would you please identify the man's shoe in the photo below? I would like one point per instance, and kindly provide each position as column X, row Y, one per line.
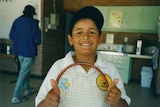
column 18, row 100
column 29, row 92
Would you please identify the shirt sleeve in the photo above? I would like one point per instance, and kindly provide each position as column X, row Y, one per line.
column 12, row 30
column 36, row 34
column 44, row 89
column 46, row 85
column 120, row 85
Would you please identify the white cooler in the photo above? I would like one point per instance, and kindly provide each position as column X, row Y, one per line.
column 146, row 76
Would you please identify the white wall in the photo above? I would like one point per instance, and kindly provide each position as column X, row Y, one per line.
column 10, row 10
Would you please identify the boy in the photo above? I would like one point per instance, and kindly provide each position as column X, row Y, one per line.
column 84, row 35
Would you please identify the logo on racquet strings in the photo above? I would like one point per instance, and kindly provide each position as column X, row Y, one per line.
column 64, row 84
column 101, row 83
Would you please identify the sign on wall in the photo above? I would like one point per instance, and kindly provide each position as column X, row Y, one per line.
column 10, row 10
column 116, row 19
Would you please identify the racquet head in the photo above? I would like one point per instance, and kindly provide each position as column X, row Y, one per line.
column 82, row 85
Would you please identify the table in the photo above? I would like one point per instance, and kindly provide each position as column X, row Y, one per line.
column 10, row 56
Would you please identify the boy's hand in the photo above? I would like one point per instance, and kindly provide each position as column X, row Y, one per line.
column 113, row 94
column 52, row 98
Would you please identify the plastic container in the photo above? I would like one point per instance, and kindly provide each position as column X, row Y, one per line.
column 146, row 76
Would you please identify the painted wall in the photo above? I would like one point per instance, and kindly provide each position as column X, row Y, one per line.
column 10, row 10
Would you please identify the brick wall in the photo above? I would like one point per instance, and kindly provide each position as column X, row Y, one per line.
column 53, row 40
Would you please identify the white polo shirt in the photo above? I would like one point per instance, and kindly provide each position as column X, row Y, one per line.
column 93, row 98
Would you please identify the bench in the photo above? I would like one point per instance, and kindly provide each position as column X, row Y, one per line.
column 10, row 56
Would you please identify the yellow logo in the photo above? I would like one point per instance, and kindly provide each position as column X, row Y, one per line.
column 101, row 82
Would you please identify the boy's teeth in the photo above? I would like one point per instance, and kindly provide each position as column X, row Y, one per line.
column 85, row 44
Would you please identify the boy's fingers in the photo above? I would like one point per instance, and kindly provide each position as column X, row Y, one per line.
column 54, row 86
column 113, row 84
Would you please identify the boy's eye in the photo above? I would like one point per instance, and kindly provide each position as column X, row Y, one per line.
column 79, row 33
column 92, row 32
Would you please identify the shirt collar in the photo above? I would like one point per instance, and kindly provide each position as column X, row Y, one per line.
column 69, row 59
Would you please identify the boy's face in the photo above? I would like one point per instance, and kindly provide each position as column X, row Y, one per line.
column 85, row 37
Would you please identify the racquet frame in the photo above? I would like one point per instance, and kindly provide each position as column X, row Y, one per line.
column 83, row 64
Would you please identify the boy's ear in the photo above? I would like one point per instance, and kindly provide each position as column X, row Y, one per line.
column 100, row 38
column 70, row 39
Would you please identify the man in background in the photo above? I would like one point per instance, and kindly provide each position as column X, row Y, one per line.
column 25, row 35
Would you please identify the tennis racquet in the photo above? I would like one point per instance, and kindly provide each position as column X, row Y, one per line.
column 82, row 85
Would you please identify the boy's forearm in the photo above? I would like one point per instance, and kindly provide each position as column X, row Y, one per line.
column 41, row 104
column 121, row 103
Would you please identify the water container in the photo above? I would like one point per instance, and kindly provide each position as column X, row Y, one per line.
column 146, row 76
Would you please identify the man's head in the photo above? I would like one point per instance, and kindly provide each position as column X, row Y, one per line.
column 88, row 12
column 29, row 10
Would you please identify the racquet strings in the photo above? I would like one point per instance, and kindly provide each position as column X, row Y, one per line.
column 79, row 88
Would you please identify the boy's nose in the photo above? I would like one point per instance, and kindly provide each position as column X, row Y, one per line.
column 85, row 36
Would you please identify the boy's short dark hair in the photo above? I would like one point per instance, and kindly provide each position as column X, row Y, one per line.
column 88, row 12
